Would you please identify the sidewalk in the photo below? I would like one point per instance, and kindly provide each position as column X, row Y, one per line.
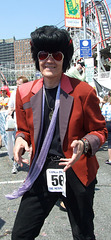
column 56, row 225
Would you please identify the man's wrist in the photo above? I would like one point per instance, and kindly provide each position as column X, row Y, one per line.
column 86, row 145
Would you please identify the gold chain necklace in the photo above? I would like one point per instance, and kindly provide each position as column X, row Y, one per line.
column 52, row 109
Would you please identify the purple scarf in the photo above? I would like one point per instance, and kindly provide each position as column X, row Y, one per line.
column 38, row 163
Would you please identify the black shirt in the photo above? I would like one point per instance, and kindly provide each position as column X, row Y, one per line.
column 55, row 147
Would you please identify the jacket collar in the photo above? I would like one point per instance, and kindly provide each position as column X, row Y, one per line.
column 65, row 84
column 37, row 86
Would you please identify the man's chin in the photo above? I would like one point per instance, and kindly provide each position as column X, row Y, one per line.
column 49, row 73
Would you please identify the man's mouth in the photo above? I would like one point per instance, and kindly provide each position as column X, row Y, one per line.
column 50, row 67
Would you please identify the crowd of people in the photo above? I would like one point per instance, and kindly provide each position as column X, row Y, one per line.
column 59, row 121
column 7, row 104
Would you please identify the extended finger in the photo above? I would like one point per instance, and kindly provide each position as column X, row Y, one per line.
column 24, row 160
column 66, row 167
column 65, row 159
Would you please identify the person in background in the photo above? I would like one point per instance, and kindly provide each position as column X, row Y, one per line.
column 109, row 94
column 77, row 71
column 106, row 111
column 4, row 102
column 61, row 118
column 103, row 101
column 11, row 112
column 4, row 98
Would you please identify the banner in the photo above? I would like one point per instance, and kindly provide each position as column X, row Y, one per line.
column 72, row 9
column 101, row 90
column 89, row 69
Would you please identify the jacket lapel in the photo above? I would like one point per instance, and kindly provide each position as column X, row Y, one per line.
column 36, row 100
column 66, row 102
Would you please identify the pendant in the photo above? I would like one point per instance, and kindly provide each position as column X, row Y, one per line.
column 50, row 114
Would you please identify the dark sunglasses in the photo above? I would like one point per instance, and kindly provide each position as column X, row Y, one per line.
column 58, row 56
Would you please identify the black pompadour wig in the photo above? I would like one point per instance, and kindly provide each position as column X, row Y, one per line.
column 52, row 39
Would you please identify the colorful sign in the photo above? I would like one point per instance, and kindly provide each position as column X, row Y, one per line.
column 72, row 13
column 85, row 48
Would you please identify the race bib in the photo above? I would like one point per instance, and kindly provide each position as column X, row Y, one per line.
column 56, row 180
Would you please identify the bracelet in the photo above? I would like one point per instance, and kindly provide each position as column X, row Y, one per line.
column 86, row 145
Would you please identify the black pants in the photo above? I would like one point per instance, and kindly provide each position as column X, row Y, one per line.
column 37, row 203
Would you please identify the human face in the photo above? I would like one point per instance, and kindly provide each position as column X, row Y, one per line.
column 4, row 93
column 19, row 82
column 49, row 66
column 79, row 67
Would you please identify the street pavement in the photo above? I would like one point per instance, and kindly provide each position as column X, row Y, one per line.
column 56, row 225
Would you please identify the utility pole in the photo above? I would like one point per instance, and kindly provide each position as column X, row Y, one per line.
column 84, row 20
column 98, row 59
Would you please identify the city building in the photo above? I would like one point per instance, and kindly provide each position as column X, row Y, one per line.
column 22, row 53
column 7, row 50
column 16, row 60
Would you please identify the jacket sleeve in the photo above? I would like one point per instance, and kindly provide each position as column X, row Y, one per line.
column 94, row 122
column 22, row 126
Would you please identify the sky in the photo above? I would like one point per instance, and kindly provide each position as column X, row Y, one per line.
column 18, row 18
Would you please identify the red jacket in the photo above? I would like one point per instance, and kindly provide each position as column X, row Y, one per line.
column 79, row 116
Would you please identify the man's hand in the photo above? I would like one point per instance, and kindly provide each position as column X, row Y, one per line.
column 78, row 147
column 20, row 146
